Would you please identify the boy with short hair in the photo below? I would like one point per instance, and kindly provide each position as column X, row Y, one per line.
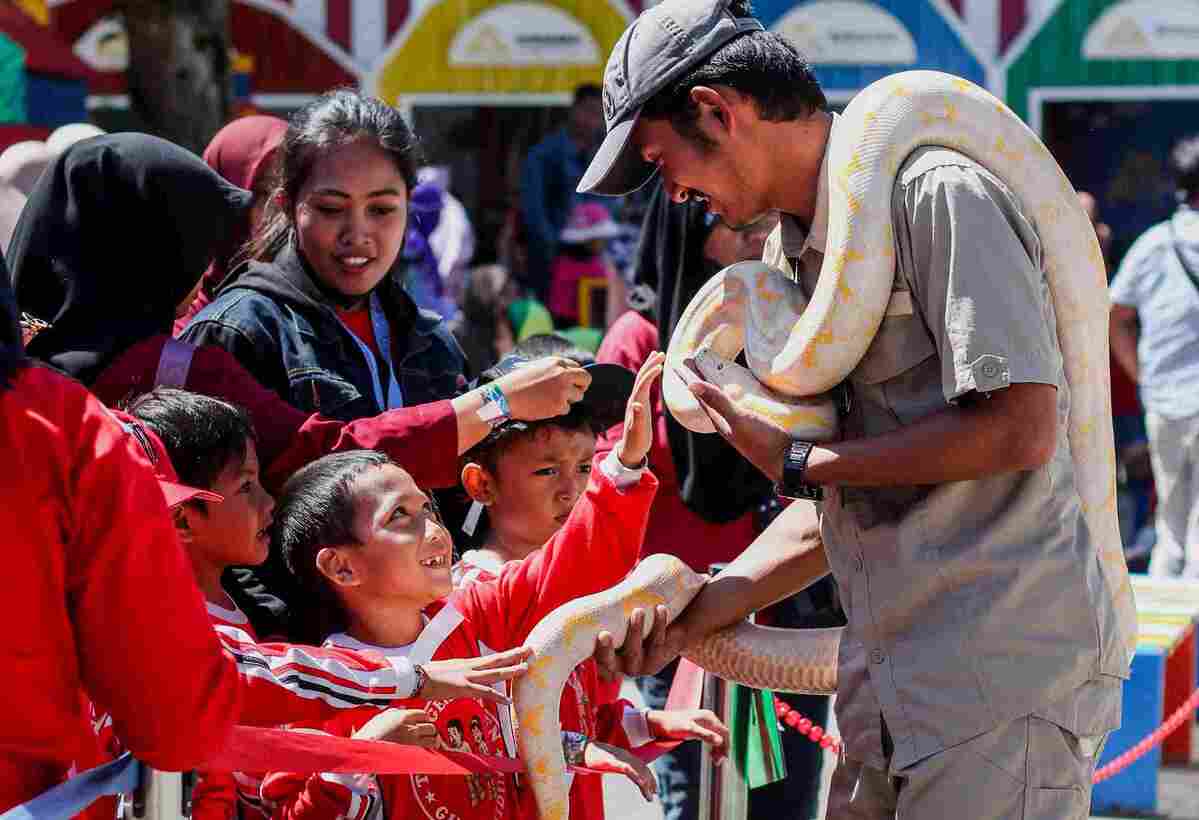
column 528, row 476
column 375, row 562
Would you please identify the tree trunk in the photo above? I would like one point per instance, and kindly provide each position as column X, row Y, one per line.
column 179, row 84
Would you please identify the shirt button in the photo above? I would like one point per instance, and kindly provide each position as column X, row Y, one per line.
column 858, row 563
column 877, row 656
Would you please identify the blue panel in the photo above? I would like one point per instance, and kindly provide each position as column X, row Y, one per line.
column 54, row 101
column 938, row 46
column 1135, row 788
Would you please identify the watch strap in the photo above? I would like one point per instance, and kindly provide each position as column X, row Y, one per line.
column 795, row 464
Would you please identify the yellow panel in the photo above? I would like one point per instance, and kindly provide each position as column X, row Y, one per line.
column 419, row 64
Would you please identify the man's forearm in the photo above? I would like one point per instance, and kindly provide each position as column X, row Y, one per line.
column 1015, row 429
column 783, row 560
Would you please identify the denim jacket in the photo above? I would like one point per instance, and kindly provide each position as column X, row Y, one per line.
column 277, row 323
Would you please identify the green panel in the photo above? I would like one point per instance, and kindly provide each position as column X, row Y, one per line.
column 1054, row 58
column 12, row 81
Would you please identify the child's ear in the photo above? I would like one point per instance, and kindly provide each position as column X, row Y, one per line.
column 336, row 566
column 478, row 483
column 183, row 526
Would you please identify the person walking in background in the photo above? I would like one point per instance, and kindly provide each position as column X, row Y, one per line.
column 547, row 185
column 1155, row 338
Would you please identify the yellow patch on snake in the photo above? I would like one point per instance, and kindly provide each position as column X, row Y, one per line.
column 532, row 720
column 555, row 812
column 537, row 669
column 642, row 599
column 571, row 630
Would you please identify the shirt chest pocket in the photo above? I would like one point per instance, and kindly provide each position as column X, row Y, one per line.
column 319, row 391
column 902, row 342
column 898, row 378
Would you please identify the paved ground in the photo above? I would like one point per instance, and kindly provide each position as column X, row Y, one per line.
column 1178, row 794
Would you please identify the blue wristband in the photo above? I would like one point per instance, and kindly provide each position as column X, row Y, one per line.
column 495, row 410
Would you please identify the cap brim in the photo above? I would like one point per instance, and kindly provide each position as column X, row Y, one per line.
column 608, row 394
column 617, row 169
column 177, row 493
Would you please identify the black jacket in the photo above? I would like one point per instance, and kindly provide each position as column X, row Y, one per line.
column 281, row 328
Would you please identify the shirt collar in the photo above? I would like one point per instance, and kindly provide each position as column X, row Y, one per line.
column 796, row 240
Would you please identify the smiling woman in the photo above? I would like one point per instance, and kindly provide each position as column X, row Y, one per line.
column 318, row 316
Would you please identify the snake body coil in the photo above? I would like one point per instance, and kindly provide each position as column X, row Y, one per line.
column 797, row 349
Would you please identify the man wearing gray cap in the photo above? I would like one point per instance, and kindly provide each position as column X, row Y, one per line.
column 981, row 669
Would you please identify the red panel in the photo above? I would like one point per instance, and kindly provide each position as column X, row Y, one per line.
column 337, row 22
column 397, row 14
column 1013, row 16
column 1180, row 682
column 285, row 60
column 12, row 134
column 74, row 17
column 45, row 53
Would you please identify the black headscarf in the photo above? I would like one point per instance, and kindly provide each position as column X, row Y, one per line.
column 12, row 352
column 715, row 482
column 115, row 234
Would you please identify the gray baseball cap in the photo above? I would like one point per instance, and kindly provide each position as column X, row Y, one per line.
column 658, row 48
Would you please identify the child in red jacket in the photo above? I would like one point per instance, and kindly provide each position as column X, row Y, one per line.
column 376, row 564
column 211, row 445
column 528, row 476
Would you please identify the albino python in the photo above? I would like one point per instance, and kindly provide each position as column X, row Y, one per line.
column 797, row 349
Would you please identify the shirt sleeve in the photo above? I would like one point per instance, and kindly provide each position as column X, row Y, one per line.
column 289, row 438
column 594, row 550
column 123, row 546
column 287, row 683
column 973, row 259
column 532, row 195
column 296, row 796
column 1130, row 284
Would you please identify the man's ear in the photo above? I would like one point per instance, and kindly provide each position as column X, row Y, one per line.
column 182, row 516
column 337, row 566
column 713, row 105
column 478, row 483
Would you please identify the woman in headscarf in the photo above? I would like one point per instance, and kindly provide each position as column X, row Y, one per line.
column 109, row 305
column 242, row 153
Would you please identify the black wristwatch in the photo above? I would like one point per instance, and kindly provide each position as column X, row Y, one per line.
column 795, row 462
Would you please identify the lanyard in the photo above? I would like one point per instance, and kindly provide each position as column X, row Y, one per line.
column 395, row 397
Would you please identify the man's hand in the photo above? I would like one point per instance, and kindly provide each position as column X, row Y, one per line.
column 638, row 436
column 471, row 677
column 600, row 757
column 690, row 724
column 408, row 727
column 762, row 442
column 544, row 388
column 637, row 657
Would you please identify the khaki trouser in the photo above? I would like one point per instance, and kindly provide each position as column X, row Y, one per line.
column 1026, row 769
column 1174, row 450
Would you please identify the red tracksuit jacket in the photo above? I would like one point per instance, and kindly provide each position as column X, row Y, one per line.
column 592, row 552
column 101, row 598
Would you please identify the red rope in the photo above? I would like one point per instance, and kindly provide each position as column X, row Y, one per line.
column 794, row 720
column 1154, row 738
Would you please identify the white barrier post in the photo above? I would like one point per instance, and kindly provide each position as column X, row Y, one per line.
column 160, row 796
